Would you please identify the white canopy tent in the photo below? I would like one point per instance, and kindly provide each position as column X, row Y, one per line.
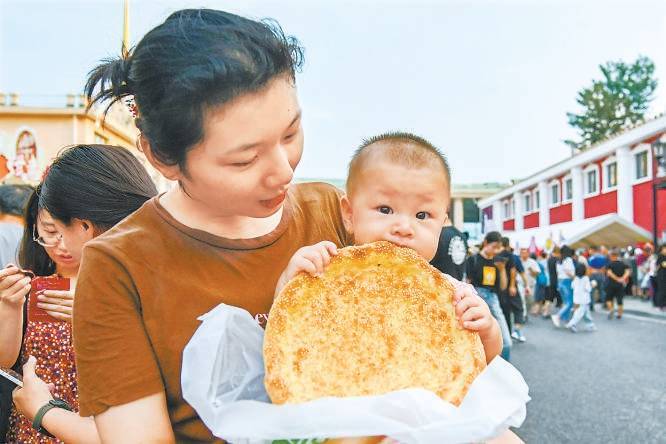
column 610, row 230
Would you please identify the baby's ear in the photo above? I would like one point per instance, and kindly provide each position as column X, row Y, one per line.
column 346, row 210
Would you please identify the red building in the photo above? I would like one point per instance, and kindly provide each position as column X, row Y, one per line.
column 601, row 196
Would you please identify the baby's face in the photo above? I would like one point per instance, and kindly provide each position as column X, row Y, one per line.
column 401, row 205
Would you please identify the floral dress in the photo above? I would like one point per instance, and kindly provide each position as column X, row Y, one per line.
column 51, row 344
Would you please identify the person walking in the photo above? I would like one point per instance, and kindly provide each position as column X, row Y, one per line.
column 485, row 271
column 660, row 279
column 582, row 290
column 618, row 278
column 566, row 270
column 552, row 293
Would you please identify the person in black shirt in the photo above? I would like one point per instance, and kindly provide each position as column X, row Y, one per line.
column 487, row 275
column 451, row 252
column 552, row 295
column 618, row 277
column 660, row 279
column 511, row 300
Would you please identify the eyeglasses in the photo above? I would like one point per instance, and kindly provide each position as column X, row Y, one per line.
column 51, row 241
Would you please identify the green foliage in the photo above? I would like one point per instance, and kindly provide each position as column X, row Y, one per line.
column 610, row 105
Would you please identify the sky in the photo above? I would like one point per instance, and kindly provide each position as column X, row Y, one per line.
column 488, row 82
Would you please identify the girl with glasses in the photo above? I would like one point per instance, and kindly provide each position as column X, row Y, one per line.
column 96, row 187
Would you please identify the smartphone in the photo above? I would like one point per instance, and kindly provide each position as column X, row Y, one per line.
column 12, row 377
column 38, row 286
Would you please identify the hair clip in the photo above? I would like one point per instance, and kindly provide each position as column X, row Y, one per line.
column 131, row 106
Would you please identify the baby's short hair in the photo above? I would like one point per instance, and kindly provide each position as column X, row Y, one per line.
column 397, row 147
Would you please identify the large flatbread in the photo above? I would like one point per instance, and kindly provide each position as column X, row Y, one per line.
column 379, row 319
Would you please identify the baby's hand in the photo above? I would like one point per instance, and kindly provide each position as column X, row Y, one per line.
column 472, row 311
column 312, row 259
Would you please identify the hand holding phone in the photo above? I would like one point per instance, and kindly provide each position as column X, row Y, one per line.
column 11, row 376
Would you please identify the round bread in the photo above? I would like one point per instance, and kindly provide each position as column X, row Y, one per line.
column 379, row 319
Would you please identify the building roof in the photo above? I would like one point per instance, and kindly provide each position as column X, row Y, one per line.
column 117, row 120
column 609, row 229
column 628, row 137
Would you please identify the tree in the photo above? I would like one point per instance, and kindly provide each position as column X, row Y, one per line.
column 612, row 104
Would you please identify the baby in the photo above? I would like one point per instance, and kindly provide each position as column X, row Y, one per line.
column 398, row 190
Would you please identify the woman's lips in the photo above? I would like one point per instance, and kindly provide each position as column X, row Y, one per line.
column 274, row 202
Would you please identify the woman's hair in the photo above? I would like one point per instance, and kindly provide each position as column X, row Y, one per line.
column 100, row 183
column 493, row 236
column 581, row 269
column 197, row 60
column 566, row 251
column 31, row 255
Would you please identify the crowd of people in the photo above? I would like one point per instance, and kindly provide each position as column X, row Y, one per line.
column 563, row 284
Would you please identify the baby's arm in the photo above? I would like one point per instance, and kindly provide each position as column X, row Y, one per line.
column 474, row 314
column 312, row 259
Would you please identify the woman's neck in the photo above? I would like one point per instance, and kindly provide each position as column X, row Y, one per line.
column 192, row 214
column 67, row 272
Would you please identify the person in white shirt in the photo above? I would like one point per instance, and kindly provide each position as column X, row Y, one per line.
column 582, row 293
column 566, row 271
column 532, row 270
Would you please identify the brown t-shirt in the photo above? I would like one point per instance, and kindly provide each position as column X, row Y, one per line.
column 143, row 284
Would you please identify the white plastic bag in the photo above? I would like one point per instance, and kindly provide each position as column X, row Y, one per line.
column 222, row 378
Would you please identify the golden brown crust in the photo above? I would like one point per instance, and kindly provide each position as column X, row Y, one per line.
column 379, row 319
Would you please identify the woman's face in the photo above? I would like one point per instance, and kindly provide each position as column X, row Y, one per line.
column 48, row 230
column 251, row 147
column 74, row 236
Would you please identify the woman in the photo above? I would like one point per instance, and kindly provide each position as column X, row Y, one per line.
column 566, row 270
column 218, row 112
column 96, row 187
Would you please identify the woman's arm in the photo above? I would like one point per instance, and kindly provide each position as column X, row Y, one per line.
column 14, row 286
column 141, row 421
column 65, row 425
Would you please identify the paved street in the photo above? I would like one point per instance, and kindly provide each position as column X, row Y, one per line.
column 602, row 387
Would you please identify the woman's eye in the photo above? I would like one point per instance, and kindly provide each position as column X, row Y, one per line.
column 422, row 215
column 290, row 137
column 385, row 210
column 242, row 164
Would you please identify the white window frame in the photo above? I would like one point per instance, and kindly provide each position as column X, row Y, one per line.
column 605, row 186
column 506, row 209
column 563, row 192
column 552, row 204
column 528, row 194
column 586, row 170
column 643, row 147
column 536, row 195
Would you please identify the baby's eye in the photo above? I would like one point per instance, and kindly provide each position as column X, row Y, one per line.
column 422, row 215
column 385, row 210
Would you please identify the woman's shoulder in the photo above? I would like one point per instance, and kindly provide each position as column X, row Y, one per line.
column 318, row 197
column 315, row 191
column 136, row 229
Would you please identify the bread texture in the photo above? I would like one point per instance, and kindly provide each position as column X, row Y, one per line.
column 379, row 319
